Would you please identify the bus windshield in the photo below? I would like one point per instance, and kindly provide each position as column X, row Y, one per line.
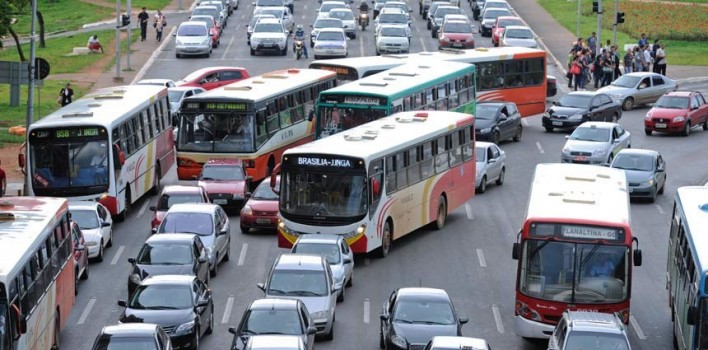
column 334, row 119
column 574, row 272
column 69, row 164
column 4, row 327
column 223, row 132
column 320, row 194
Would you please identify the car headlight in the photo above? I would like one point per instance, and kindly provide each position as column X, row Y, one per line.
column 679, row 119
column 247, row 210
column 205, row 42
column 185, row 327
column 135, row 278
column 255, row 40
column 319, row 315
column 399, row 341
column 485, row 130
column 650, row 182
column 287, row 230
column 178, row 42
column 91, row 243
column 566, row 149
column 575, row 117
column 210, row 253
column 599, row 152
column 647, row 117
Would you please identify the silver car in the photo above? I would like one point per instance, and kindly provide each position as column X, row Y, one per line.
column 348, row 20
column 323, row 23
column 491, row 165
column 638, row 88
column 645, row 170
column 192, row 38
column 595, row 143
column 519, row 36
column 252, row 24
column 337, row 253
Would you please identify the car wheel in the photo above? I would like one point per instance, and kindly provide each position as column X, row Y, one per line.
column 661, row 190
column 628, row 103
column 330, row 335
column 441, row 217
column 253, row 52
column 482, row 185
column 227, row 256
column 177, row 55
column 548, row 128
column 340, row 297
column 350, row 282
column 519, row 132
column 110, row 239
column 195, row 342
column 382, row 344
column 500, row 179
column 378, row 53
column 612, row 156
column 386, row 241
column 215, row 269
column 686, row 129
column 496, row 137
column 76, row 282
column 433, row 33
column 244, row 229
column 429, row 26
column 652, row 199
column 85, row 275
column 210, row 328
column 705, row 125
column 99, row 258
column 647, row 132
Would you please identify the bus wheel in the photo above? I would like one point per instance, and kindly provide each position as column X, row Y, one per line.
column 271, row 165
column 386, row 240
column 155, row 190
column 442, row 213
column 124, row 215
column 57, row 320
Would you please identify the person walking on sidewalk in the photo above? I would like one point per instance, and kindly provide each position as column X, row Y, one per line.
column 159, row 25
column 143, row 18
column 661, row 60
column 592, row 45
column 3, row 182
column 66, row 94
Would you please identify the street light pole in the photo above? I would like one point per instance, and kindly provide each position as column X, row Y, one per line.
column 32, row 67
column 614, row 27
column 580, row 13
column 119, row 19
column 599, row 25
column 127, row 63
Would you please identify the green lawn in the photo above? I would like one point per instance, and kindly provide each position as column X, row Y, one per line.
column 64, row 15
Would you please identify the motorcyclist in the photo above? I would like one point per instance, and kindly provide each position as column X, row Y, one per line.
column 300, row 35
column 363, row 7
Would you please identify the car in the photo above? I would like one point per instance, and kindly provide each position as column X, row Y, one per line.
column 392, row 39
column 412, row 316
column 324, row 23
column 457, row 343
column 498, row 4
column 459, row 17
column 258, row 4
column 209, row 221
column 323, row 10
column 489, row 17
column 337, row 253
column 401, row 5
column 437, row 19
column 212, row 11
column 261, row 208
column 423, row 6
column 518, row 36
column 229, row 5
column 309, row 279
column 193, row 38
column 477, row 6
column 589, row 330
column 595, row 143
column 275, row 342
column 177, row 94
column 282, row 13
column 223, row 10
column 168, row 83
column 551, row 86
column 491, row 165
column 175, row 194
column 132, row 336
column 81, row 263
column 252, row 24
column 378, row 5
column 348, row 21
column 269, row 35
column 330, row 42
column 497, row 121
column 274, row 316
column 637, row 88
column 96, row 225
column 433, row 7
column 213, row 77
column 181, row 305
column 677, row 112
column 578, row 107
column 645, row 170
column 173, row 254
column 456, row 34
column 392, row 17
column 501, row 24
column 213, row 27
column 225, row 181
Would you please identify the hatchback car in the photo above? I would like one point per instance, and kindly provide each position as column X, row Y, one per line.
column 411, row 317
column 225, row 182
column 401, row 5
column 213, row 11
column 258, row 4
column 192, row 38
column 677, row 112
column 269, row 35
column 181, row 305
column 213, row 27
column 645, row 170
column 489, row 17
column 433, row 7
column 337, row 253
column 174, row 254
column 589, row 330
column 168, row 83
column 209, row 221
column 134, row 336
column 176, row 194
column 81, row 263
column 595, row 143
column 326, row 6
column 456, row 34
column 214, row 77
column 282, row 13
column 437, row 20
column 518, row 36
column 392, row 17
column 252, row 24
column 261, row 209
column 457, row 343
column 275, row 342
column 578, row 107
column 498, row 121
column 96, row 225
column 501, row 24
column 638, row 88
column 348, row 21
column 391, row 40
column 323, row 23
column 274, row 316
column 177, row 94
column 331, row 42
column 491, row 165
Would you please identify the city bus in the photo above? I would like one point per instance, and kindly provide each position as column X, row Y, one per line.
column 113, row 145
column 255, row 120
column 37, row 276
column 379, row 181
column 412, row 86
column 687, row 268
column 574, row 249
column 512, row 74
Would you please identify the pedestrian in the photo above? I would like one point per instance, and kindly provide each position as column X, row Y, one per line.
column 628, row 61
column 643, row 41
column 608, row 45
column 159, row 25
column 608, row 68
column 94, row 45
column 3, row 182
column 572, row 55
column 615, row 56
column 653, row 54
column 592, row 44
column 597, row 68
column 638, row 59
column 577, row 71
column 66, row 94
column 661, row 60
column 587, row 62
column 578, row 45
column 646, row 63
column 143, row 18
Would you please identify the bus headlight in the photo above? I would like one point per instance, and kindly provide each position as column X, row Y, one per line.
column 526, row 312
column 357, row 232
column 287, row 230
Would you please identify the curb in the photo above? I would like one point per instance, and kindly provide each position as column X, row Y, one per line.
column 96, row 24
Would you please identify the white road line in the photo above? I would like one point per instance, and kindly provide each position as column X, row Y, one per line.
column 87, row 310
column 525, row 122
column 540, row 149
column 242, row 256
column 468, row 209
column 304, row 7
column 480, row 257
column 243, row 16
column 302, row 17
column 143, row 208
column 422, row 43
column 497, row 319
column 636, row 327
column 117, row 255
column 658, row 208
column 361, row 45
column 228, row 47
column 227, row 312
column 367, row 310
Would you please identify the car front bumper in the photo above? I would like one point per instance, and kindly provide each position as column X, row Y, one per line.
column 268, row 46
column 259, row 221
column 330, row 52
column 560, row 123
column 193, row 49
column 597, row 160
column 642, row 191
column 664, row 126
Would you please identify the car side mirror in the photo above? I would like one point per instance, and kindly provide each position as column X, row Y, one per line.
column 195, row 177
column 347, row 260
column 153, row 208
column 122, row 303
column 232, row 330
column 249, row 178
column 131, row 260
column 334, row 289
column 384, row 317
column 567, row 137
column 464, row 320
column 80, row 247
column 202, row 260
column 174, row 34
column 203, row 303
column 248, row 195
column 261, row 286
column 311, row 330
column 223, row 231
column 154, row 230
column 105, row 224
column 311, row 26
column 491, row 160
column 516, row 251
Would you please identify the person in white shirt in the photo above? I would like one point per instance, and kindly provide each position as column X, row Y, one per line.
column 661, row 60
column 647, row 58
column 94, row 45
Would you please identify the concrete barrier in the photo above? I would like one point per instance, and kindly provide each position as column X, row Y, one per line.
column 81, row 51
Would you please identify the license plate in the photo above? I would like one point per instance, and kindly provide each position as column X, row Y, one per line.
column 330, row 51
column 268, row 45
column 263, row 221
column 660, row 125
column 580, row 158
column 457, row 45
column 220, row 201
column 558, row 123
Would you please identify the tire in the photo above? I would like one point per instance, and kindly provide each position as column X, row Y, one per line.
column 195, row 343
column 341, row 296
column 612, row 156
column 99, row 258
column 429, row 26
column 652, row 199
column 85, row 275
column 57, row 332
column 126, row 211
column 519, row 132
column 387, row 240
column 253, row 52
column 705, row 125
column 500, row 179
column 351, row 279
column 227, row 256
column 647, row 132
column 110, row 240
column 548, row 128
column 482, row 185
column 627, row 104
column 245, row 230
column 284, row 51
column 353, row 36
column 661, row 190
column 210, row 328
column 496, row 138
column 441, row 217
column 330, row 335
column 177, row 55
column 76, row 283
column 686, row 129
column 155, row 190
column 382, row 344
column 615, row 118
column 215, row 271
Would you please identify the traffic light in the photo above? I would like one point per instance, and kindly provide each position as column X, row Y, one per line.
column 620, row 17
column 125, row 20
column 595, row 6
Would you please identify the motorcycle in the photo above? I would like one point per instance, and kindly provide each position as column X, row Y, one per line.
column 363, row 20
column 298, row 48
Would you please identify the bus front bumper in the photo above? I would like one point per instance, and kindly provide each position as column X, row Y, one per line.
column 532, row 329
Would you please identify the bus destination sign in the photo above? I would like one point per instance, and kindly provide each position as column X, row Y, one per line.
column 66, row 133
column 576, row 231
column 322, row 160
column 343, row 73
column 225, row 106
column 354, row 100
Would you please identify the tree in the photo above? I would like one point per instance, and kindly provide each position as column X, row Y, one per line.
column 9, row 9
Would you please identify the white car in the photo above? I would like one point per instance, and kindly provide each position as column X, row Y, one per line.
column 323, row 23
column 520, row 36
column 282, row 13
column 331, row 42
column 392, row 39
column 95, row 223
column 178, row 93
column 168, row 83
column 399, row 5
column 323, row 11
column 348, row 20
column 392, row 17
column 252, row 24
column 491, row 165
column 259, row 4
column 269, row 35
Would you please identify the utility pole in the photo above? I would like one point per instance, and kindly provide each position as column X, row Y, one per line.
column 599, row 25
column 614, row 27
column 119, row 21
column 30, row 89
column 580, row 13
column 129, row 13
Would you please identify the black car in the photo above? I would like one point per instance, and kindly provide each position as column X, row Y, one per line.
column 173, row 254
column 579, row 107
column 497, row 121
column 182, row 305
column 132, row 336
column 413, row 316
column 477, row 6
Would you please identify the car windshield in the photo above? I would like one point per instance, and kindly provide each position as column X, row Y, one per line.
column 213, row 12
column 392, row 31
column 162, row 297
column 269, row 3
column 272, row 321
column 276, row 12
column 403, row 7
column 442, row 11
column 263, row 191
column 424, row 311
column 591, row 134
column 481, row 153
column 486, row 111
column 493, row 13
column 165, row 254
column 169, row 199
column 497, row 5
column 175, row 96
column 343, row 15
column 626, row 81
column 330, row 251
column 518, row 34
column 257, row 18
column 328, row 23
column 457, row 28
column 302, row 283
column 575, row 101
column 199, row 223
column 672, row 102
column 268, row 28
column 392, row 18
column 86, row 219
column 509, row 22
column 192, row 31
column 107, row 342
column 595, row 341
column 208, row 21
column 641, row 162
column 330, row 36
column 222, row 173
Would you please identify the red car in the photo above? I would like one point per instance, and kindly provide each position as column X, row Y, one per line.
column 225, row 181
column 500, row 25
column 176, row 194
column 81, row 263
column 677, row 112
column 213, row 26
column 213, row 77
column 456, row 34
column 261, row 209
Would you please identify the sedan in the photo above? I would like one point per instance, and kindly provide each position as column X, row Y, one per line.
column 175, row 194
column 214, row 77
column 456, row 34
column 330, row 42
column 497, row 121
column 181, row 305
column 178, row 93
column 323, row 23
column 677, row 112
column 392, row 39
column 595, row 143
column 645, row 170
column 518, row 36
column 489, row 17
column 411, row 317
column 95, row 223
column 225, row 182
column 337, row 253
column 348, row 20
column 81, row 263
column 132, row 336
column 440, row 14
column 501, row 24
column 578, row 107
column 639, row 88
column 261, row 209
column 491, row 165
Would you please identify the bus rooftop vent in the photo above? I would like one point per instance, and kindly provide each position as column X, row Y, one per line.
column 703, row 207
column 389, row 78
column 580, row 178
column 579, row 197
column 238, row 88
column 293, row 70
column 275, row 76
column 388, row 126
column 374, row 84
column 402, row 74
column 482, row 49
column 114, row 96
column 94, row 105
column 78, row 115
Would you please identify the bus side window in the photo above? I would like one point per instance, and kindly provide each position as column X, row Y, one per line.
column 456, row 148
column 261, row 134
column 401, row 177
column 390, row 174
column 441, row 159
column 413, row 168
column 426, row 163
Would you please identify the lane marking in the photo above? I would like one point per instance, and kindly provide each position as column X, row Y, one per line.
column 540, row 149
column 497, row 319
column 468, row 209
column 228, row 47
column 524, row 122
column 422, row 43
column 480, row 257
column 361, row 44
column 658, row 208
column 142, row 209
column 87, row 309
column 242, row 256
column 227, row 312
column 117, row 256
column 304, row 7
column 367, row 310
column 636, row 327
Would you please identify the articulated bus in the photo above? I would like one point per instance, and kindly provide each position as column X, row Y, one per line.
column 112, row 145
column 413, row 86
column 687, row 268
column 574, row 250
column 379, row 181
column 37, row 276
column 255, row 120
column 513, row 74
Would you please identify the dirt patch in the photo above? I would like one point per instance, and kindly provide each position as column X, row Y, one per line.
column 8, row 159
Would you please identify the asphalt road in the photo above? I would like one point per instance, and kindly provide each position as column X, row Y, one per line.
column 470, row 258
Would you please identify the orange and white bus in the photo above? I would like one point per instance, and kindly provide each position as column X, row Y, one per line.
column 378, row 181
column 255, row 120
column 37, row 276
column 112, row 145
column 574, row 250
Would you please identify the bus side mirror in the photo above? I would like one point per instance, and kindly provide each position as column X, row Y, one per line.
column 311, row 115
column 21, row 160
column 516, row 251
column 637, row 256
column 692, row 315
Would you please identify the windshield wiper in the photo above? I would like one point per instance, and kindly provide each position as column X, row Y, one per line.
column 431, row 322
column 304, row 293
column 161, row 308
column 402, row 320
column 206, row 178
column 276, row 291
column 248, row 331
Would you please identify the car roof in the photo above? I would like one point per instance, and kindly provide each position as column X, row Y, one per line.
column 319, row 238
column 643, row 74
column 168, row 279
column 207, row 6
column 83, row 205
column 496, row 1
column 201, row 16
column 185, row 88
column 456, row 21
column 278, row 341
column 271, row 21
column 417, row 292
column 171, row 238
column 330, row 29
column 273, row 303
column 450, row 342
column 153, row 81
column 181, row 189
column 193, row 23
column 483, row 144
column 341, row 9
column 583, row 93
column 289, row 261
column 392, row 10
column 456, row 16
column 594, row 322
column 639, row 152
column 519, row 27
column 212, row 69
column 598, row 125
column 206, row 208
column 680, row 93
column 511, row 17
column 130, row 329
